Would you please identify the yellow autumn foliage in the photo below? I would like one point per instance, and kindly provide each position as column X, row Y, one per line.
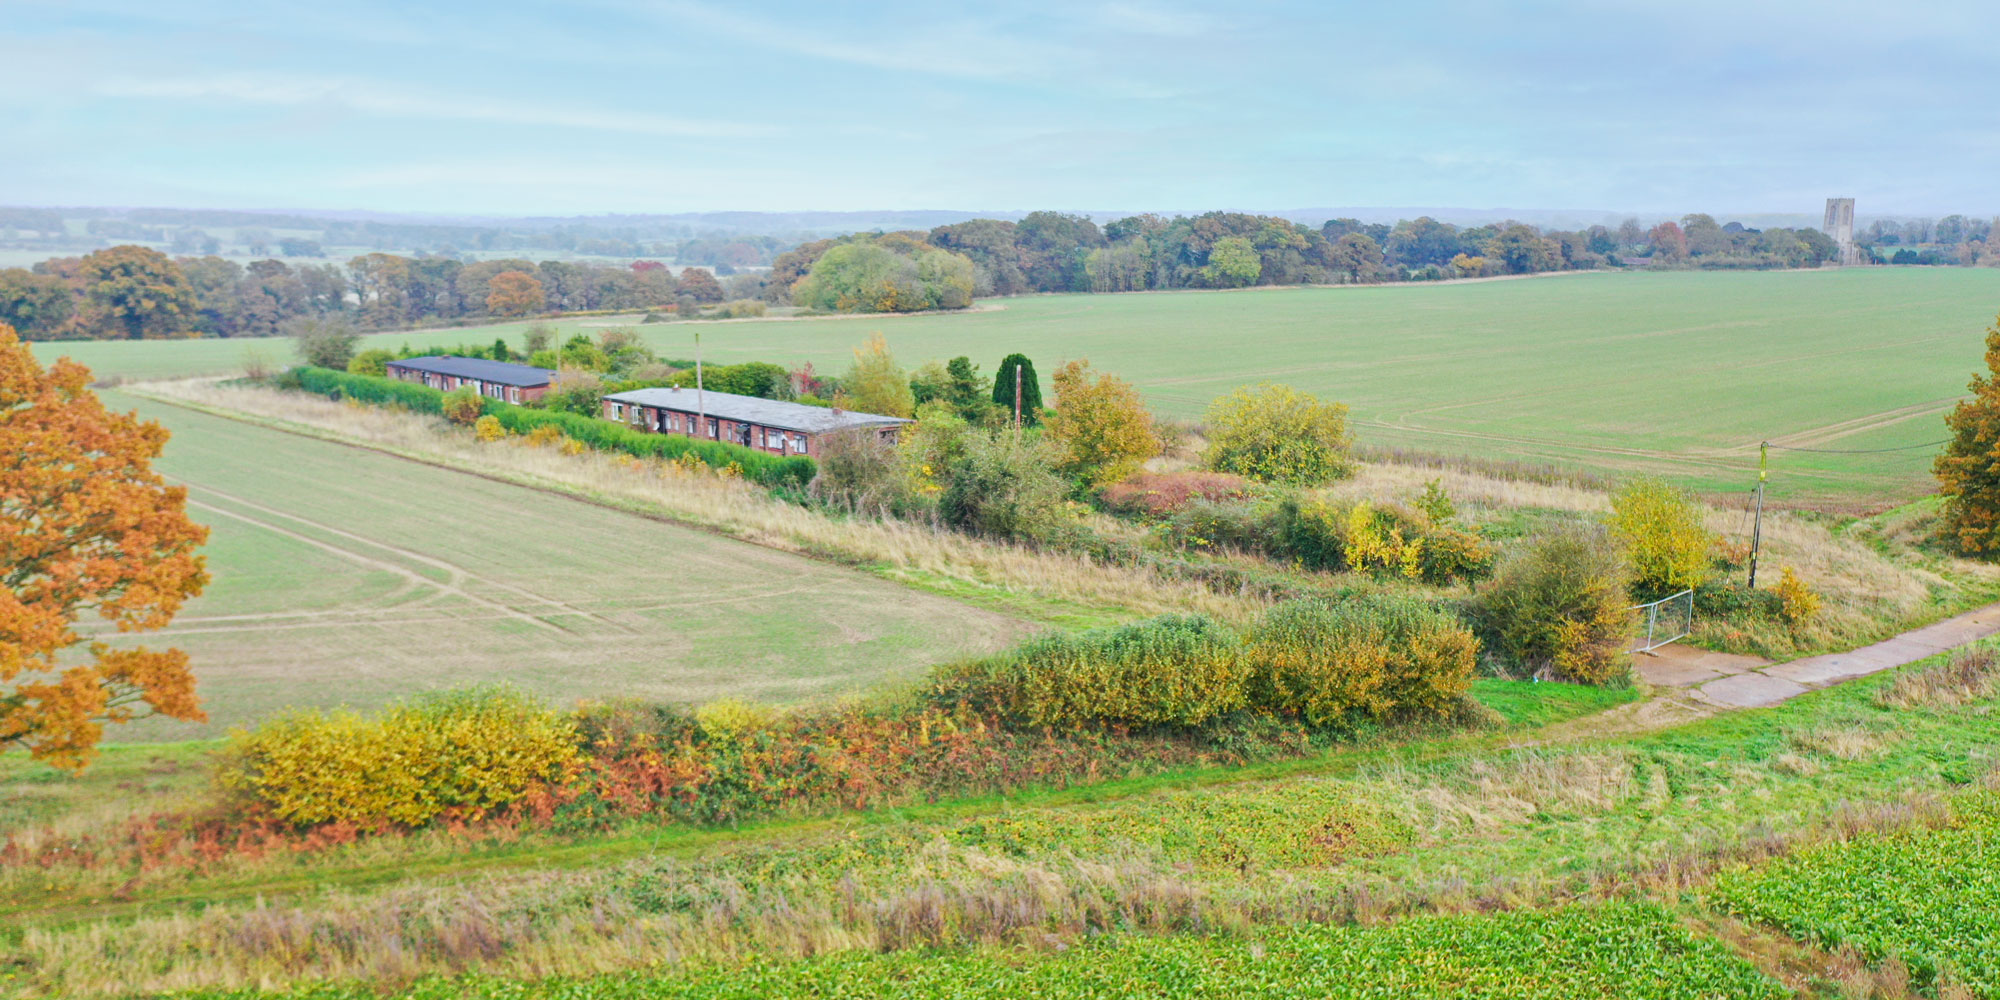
column 470, row 751
column 1101, row 424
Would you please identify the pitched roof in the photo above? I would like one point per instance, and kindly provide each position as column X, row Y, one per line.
column 503, row 372
column 755, row 410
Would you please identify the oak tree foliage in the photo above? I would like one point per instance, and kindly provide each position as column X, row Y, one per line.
column 87, row 528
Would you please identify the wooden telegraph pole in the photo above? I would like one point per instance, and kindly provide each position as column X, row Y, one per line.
column 1017, row 399
column 1757, row 531
column 700, row 401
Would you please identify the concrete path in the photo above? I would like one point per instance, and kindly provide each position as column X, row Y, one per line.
column 1729, row 681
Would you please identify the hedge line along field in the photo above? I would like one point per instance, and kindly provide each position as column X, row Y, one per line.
column 1678, row 373
column 1617, row 950
column 343, row 575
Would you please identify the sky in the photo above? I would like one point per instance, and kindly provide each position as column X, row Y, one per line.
column 594, row 106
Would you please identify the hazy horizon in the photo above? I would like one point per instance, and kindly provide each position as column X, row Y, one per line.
column 628, row 106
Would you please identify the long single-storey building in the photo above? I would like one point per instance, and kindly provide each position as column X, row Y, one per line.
column 770, row 425
column 498, row 379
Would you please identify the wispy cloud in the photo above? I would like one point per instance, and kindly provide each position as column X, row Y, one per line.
column 966, row 48
column 372, row 99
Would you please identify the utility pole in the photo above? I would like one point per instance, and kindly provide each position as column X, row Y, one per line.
column 1757, row 530
column 701, row 401
column 1017, row 399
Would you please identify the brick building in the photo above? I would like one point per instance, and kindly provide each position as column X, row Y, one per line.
column 770, row 425
column 496, row 379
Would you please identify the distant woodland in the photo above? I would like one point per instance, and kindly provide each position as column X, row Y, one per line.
column 134, row 291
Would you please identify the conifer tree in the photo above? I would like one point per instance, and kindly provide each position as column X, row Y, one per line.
column 1011, row 367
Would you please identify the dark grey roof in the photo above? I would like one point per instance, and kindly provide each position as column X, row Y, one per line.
column 502, row 372
column 755, row 410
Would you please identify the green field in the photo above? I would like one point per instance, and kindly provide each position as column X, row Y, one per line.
column 1610, row 951
column 349, row 576
column 1928, row 898
column 1678, row 373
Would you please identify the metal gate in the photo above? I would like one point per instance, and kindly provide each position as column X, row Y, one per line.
column 1664, row 620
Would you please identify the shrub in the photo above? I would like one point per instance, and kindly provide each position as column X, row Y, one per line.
column 1373, row 657
column 1377, row 543
column 1661, row 529
column 860, row 472
column 1797, row 603
column 464, row 752
column 322, row 341
column 1731, row 599
column 488, row 428
column 1101, row 424
column 742, row 308
column 1276, row 433
column 1242, row 525
column 1003, row 487
column 462, row 405
column 1175, row 670
column 374, row 361
column 1560, row 606
column 1161, row 494
column 1436, row 503
column 1323, row 535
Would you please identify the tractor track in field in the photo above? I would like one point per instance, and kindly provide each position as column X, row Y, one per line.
column 382, row 565
column 457, row 576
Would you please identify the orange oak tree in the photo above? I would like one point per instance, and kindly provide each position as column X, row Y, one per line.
column 86, row 527
column 514, row 293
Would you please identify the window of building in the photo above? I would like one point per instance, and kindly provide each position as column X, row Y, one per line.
column 798, row 444
column 513, row 394
column 617, row 411
column 712, row 427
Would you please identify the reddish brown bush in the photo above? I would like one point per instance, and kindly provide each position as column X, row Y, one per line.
column 1157, row 494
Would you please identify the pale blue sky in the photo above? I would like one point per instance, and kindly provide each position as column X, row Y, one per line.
column 637, row 106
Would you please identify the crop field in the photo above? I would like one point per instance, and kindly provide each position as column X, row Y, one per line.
column 348, row 576
column 1676, row 373
column 1610, row 951
column 1929, row 898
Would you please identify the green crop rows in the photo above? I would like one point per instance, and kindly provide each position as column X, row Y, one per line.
column 1610, row 951
column 1930, row 898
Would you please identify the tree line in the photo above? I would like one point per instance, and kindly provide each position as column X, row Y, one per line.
column 1059, row 252
column 133, row 292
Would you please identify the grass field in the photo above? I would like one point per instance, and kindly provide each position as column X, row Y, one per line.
column 345, row 575
column 1678, row 373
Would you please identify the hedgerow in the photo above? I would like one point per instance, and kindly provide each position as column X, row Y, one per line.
column 466, row 752
column 1329, row 663
column 1373, row 657
column 793, row 471
column 1176, row 670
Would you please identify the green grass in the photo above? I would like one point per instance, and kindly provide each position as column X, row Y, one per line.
column 1676, row 373
column 1610, row 951
column 343, row 575
column 1929, row 898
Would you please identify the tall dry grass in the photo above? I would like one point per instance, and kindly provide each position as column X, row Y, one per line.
column 925, row 555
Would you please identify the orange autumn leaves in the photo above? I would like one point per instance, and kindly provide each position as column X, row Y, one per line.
column 86, row 528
